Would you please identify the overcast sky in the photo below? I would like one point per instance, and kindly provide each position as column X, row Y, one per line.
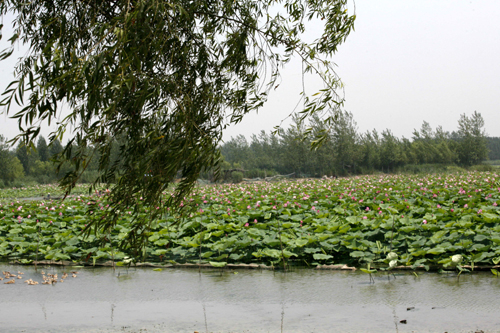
column 406, row 62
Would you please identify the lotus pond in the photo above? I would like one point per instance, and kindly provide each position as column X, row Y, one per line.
column 39, row 191
column 358, row 221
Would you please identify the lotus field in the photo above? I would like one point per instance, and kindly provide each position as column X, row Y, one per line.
column 419, row 221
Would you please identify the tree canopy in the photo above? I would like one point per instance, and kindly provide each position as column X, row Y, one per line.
column 345, row 151
column 167, row 76
column 10, row 166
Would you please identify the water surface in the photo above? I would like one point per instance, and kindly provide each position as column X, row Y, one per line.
column 186, row 300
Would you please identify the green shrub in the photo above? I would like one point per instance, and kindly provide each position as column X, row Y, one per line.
column 492, row 162
column 481, row 167
column 424, row 168
column 237, row 176
column 454, row 169
column 89, row 176
column 43, row 179
column 24, row 182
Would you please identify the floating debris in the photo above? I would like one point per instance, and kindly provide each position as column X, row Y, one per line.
column 8, row 275
column 31, row 282
column 49, row 279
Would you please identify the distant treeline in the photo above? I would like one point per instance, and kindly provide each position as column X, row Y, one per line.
column 345, row 151
column 493, row 145
column 22, row 166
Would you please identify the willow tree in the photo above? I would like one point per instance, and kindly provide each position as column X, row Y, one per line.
column 167, row 76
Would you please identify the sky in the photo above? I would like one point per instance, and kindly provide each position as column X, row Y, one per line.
column 406, row 62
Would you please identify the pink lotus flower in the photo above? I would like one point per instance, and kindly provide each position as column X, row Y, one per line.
column 424, row 221
column 246, row 224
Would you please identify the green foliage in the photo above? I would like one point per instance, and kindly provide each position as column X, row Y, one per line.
column 55, row 148
column 481, row 167
column 493, row 145
column 10, row 166
column 237, row 176
column 27, row 157
column 436, row 218
column 167, row 76
column 339, row 150
column 42, row 149
column 425, row 168
column 37, row 190
column 472, row 147
column 12, row 169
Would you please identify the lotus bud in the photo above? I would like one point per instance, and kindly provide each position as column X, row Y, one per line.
column 392, row 256
column 457, row 259
column 393, row 263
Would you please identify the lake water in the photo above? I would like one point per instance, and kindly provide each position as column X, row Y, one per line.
column 186, row 300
